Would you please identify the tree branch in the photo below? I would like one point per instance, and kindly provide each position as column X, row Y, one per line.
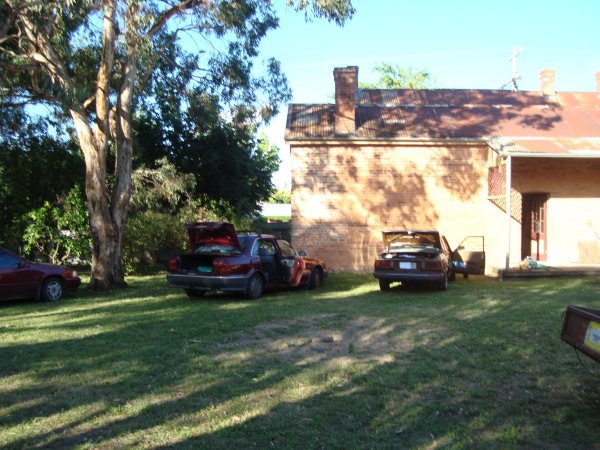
column 177, row 9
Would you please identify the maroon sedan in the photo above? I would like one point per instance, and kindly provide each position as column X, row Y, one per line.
column 245, row 262
column 425, row 257
column 23, row 279
column 414, row 256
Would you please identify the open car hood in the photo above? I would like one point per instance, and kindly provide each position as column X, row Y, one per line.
column 212, row 233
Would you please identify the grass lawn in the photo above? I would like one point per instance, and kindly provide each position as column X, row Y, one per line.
column 347, row 366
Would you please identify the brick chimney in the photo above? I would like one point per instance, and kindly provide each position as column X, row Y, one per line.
column 346, row 85
column 547, row 78
column 598, row 83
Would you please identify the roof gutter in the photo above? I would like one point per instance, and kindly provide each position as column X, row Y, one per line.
column 501, row 146
column 387, row 141
column 503, row 149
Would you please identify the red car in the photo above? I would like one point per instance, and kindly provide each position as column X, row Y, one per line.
column 245, row 262
column 23, row 279
column 425, row 257
column 414, row 256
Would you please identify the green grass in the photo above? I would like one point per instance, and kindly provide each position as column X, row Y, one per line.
column 347, row 366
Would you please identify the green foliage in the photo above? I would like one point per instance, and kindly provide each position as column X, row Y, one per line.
column 193, row 70
column 160, row 188
column 161, row 204
column 281, row 196
column 34, row 168
column 59, row 231
column 151, row 237
column 232, row 170
column 396, row 77
column 337, row 11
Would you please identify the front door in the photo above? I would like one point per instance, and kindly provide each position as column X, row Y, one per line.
column 534, row 227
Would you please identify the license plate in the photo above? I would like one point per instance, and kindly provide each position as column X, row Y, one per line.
column 407, row 265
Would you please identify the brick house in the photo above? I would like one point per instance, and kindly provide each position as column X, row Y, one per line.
column 521, row 169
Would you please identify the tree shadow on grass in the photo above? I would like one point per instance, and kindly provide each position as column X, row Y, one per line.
column 460, row 368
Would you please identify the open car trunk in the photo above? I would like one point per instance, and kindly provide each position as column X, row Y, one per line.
column 197, row 263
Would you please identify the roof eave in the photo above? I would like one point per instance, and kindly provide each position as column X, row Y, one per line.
column 352, row 140
column 503, row 149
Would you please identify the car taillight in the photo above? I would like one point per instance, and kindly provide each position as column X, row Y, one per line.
column 173, row 264
column 69, row 273
column 221, row 268
column 383, row 264
column 435, row 264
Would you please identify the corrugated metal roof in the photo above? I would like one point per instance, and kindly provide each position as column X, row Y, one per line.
column 458, row 114
column 556, row 146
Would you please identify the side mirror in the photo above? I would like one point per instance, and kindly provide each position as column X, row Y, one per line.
column 302, row 253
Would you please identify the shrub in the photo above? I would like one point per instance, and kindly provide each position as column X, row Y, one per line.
column 59, row 232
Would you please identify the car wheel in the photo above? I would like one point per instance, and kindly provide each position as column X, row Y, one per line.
column 255, row 286
column 194, row 294
column 384, row 285
column 443, row 285
column 52, row 290
column 316, row 279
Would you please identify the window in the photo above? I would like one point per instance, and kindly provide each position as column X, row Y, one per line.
column 269, row 246
column 8, row 261
column 254, row 251
column 287, row 251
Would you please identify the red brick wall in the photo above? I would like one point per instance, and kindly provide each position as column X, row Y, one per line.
column 344, row 196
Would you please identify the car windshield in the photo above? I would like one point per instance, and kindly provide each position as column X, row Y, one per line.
column 413, row 240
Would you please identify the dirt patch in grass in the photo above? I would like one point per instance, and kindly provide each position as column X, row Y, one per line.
column 328, row 338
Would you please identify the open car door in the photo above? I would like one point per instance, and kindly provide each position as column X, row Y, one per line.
column 469, row 256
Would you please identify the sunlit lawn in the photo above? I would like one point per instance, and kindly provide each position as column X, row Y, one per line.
column 479, row 366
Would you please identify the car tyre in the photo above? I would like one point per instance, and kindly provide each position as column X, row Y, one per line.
column 316, row 279
column 52, row 290
column 443, row 285
column 255, row 287
column 384, row 285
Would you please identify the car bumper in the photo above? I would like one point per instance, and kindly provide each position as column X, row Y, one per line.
column 72, row 284
column 230, row 283
column 410, row 276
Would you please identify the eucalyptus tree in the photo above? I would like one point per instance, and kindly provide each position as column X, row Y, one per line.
column 90, row 60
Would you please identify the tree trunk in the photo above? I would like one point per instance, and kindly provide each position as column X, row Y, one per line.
column 106, row 227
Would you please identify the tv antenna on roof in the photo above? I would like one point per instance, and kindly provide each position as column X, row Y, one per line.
column 516, row 76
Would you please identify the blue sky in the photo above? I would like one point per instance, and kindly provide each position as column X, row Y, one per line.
column 463, row 44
